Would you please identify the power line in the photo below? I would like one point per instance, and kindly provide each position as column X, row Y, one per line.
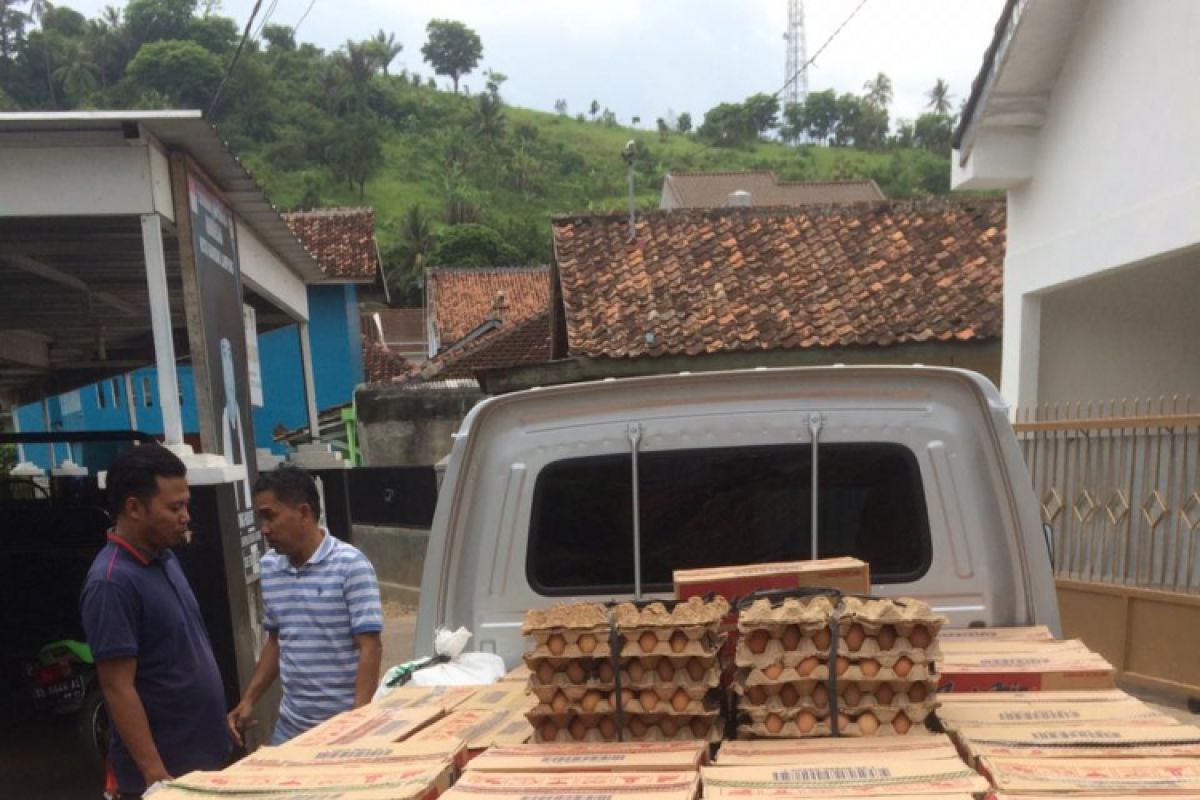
column 303, row 17
column 237, row 54
column 266, row 19
column 821, row 49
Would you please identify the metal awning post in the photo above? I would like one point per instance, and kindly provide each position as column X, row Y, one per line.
column 160, row 321
column 635, row 443
column 815, row 423
column 310, row 386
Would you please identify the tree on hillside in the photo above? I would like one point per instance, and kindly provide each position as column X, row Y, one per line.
column 685, row 123
column 820, row 115
column 594, row 109
column 940, row 98
column 452, row 49
column 560, row 107
column 933, row 132
column 472, row 245
column 156, row 20
column 12, row 28
column 77, row 73
column 406, row 259
column 184, row 72
column 878, row 91
column 279, row 37
column 385, row 48
column 356, row 150
column 489, row 110
column 214, row 33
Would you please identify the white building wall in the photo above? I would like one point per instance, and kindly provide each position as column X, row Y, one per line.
column 1116, row 177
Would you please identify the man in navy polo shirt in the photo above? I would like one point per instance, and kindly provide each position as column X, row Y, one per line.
column 153, row 658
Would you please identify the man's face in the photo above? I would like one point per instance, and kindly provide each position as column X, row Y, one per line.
column 164, row 517
column 285, row 527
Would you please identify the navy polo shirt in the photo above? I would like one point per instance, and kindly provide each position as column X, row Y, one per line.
column 134, row 605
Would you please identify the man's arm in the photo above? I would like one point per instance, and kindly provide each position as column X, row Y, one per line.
column 265, row 673
column 370, row 657
column 129, row 716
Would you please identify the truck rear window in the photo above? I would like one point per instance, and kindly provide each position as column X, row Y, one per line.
column 724, row 507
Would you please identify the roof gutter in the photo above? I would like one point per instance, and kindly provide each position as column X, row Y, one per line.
column 981, row 89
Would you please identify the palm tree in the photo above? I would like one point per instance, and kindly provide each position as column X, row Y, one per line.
column 38, row 9
column 357, row 63
column 386, row 49
column 940, row 97
column 879, row 91
column 416, row 239
column 77, row 72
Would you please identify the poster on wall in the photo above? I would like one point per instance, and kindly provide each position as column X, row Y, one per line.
column 214, row 245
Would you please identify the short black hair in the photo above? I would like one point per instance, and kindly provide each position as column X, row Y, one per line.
column 292, row 486
column 136, row 472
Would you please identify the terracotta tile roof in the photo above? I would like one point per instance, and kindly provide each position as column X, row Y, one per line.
column 525, row 343
column 380, row 363
column 341, row 239
column 403, row 330
column 712, row 190
column 460, row 299
column 697, row 282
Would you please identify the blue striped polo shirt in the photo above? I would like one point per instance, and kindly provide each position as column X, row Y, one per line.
column 316, row 610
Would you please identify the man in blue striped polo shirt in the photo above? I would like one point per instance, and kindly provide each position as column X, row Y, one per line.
column 321, row 612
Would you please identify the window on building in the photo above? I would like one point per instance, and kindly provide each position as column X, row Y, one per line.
column 147, row 392
column 101, row 401
column 725, row 507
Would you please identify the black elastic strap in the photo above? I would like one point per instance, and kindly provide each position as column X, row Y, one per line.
column 831, row 683
column 614, row 652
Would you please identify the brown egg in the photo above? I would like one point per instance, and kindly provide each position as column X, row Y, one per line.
column 700, row 727
column 696, row 669
column 637, row 727
column 869, row 667
column 788, row 695
column 757, row 695
column 843, row 664
column 578, row 729
column 669, row 726
column 636, row 671
column 867, row 724
column 901, row 723
column 590, row 700
column 851, row 695
column 665, row 670
column 545, row 673
column 806, row 666
column 604, row 671
column 556, row 644
column 843, row 722
column 885, row 694
column 608, row 728
column 626, row 697
column 559, row 702
column 649, row 699
column 855, row 638
column 774, row 723
column 920, row 638
column 918, row 693
column 903, row 666
column 576, row 673
column 773, row 671
column 756, row 642
column 647, row 641
column 821, row 639
column 820, row 696
column 679, row 642
column 790, row 638
column 680, row 700
column 805, row 721
column 587, row 644
column 886, row 637
column 548, row 732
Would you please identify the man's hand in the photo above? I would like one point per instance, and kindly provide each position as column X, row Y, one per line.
column 241, row 718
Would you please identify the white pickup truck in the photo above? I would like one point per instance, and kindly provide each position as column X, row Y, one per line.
column 600, row 490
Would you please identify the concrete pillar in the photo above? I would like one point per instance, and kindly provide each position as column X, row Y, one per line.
column 160, row 320
column 1022, row 347
column 310, row 387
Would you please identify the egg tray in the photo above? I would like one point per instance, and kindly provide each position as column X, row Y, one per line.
column 584, row 617
column 711, row 726
column 809, row 613
column 777, row 673
column 916, row 712
column 651, row 677
column 823, row 728
column 693, row 613
column 570, row 649
column 701, row 642
column 596, row 677
column 903, row 613
column 775, row 653
column 695, row 691
column 805, row 690
column 708, row 703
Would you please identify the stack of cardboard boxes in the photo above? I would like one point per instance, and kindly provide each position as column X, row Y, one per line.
column 821, row 666
column 633, row 673
column 1000, row 659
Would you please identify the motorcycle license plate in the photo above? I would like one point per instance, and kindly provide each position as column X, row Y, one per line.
column 71, row 689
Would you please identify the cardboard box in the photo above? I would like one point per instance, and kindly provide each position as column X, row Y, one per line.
column 481, row 729
column 497, row 696
column 476, row 784
column 952, row 715
column 1125, row 739
column 518, row 675
column 1025, row 673
column 453, row 751
column 1064, row 696
column 447, row 698
column 171, row 793
column 847, row 574
column 418, row 781
column 588, row 757
column 1032, row 633
column 970, row 650
column 1142, row 776
column 372, row 724
column 871, row 776
column 793, row 751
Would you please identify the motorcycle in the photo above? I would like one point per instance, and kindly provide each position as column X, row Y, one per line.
column 63, row 681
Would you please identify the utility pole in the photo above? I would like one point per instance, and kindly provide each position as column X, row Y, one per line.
column 796, row 82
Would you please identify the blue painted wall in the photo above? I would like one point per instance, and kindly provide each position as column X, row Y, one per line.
column 337, row 369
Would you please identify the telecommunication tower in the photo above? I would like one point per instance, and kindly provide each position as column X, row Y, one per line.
column 796, row 87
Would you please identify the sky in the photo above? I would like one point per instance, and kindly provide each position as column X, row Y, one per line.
column 647, row 58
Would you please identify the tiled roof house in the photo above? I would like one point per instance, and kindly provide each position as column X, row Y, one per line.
column 464, row 302
column 341, row 239
column 684, row 190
